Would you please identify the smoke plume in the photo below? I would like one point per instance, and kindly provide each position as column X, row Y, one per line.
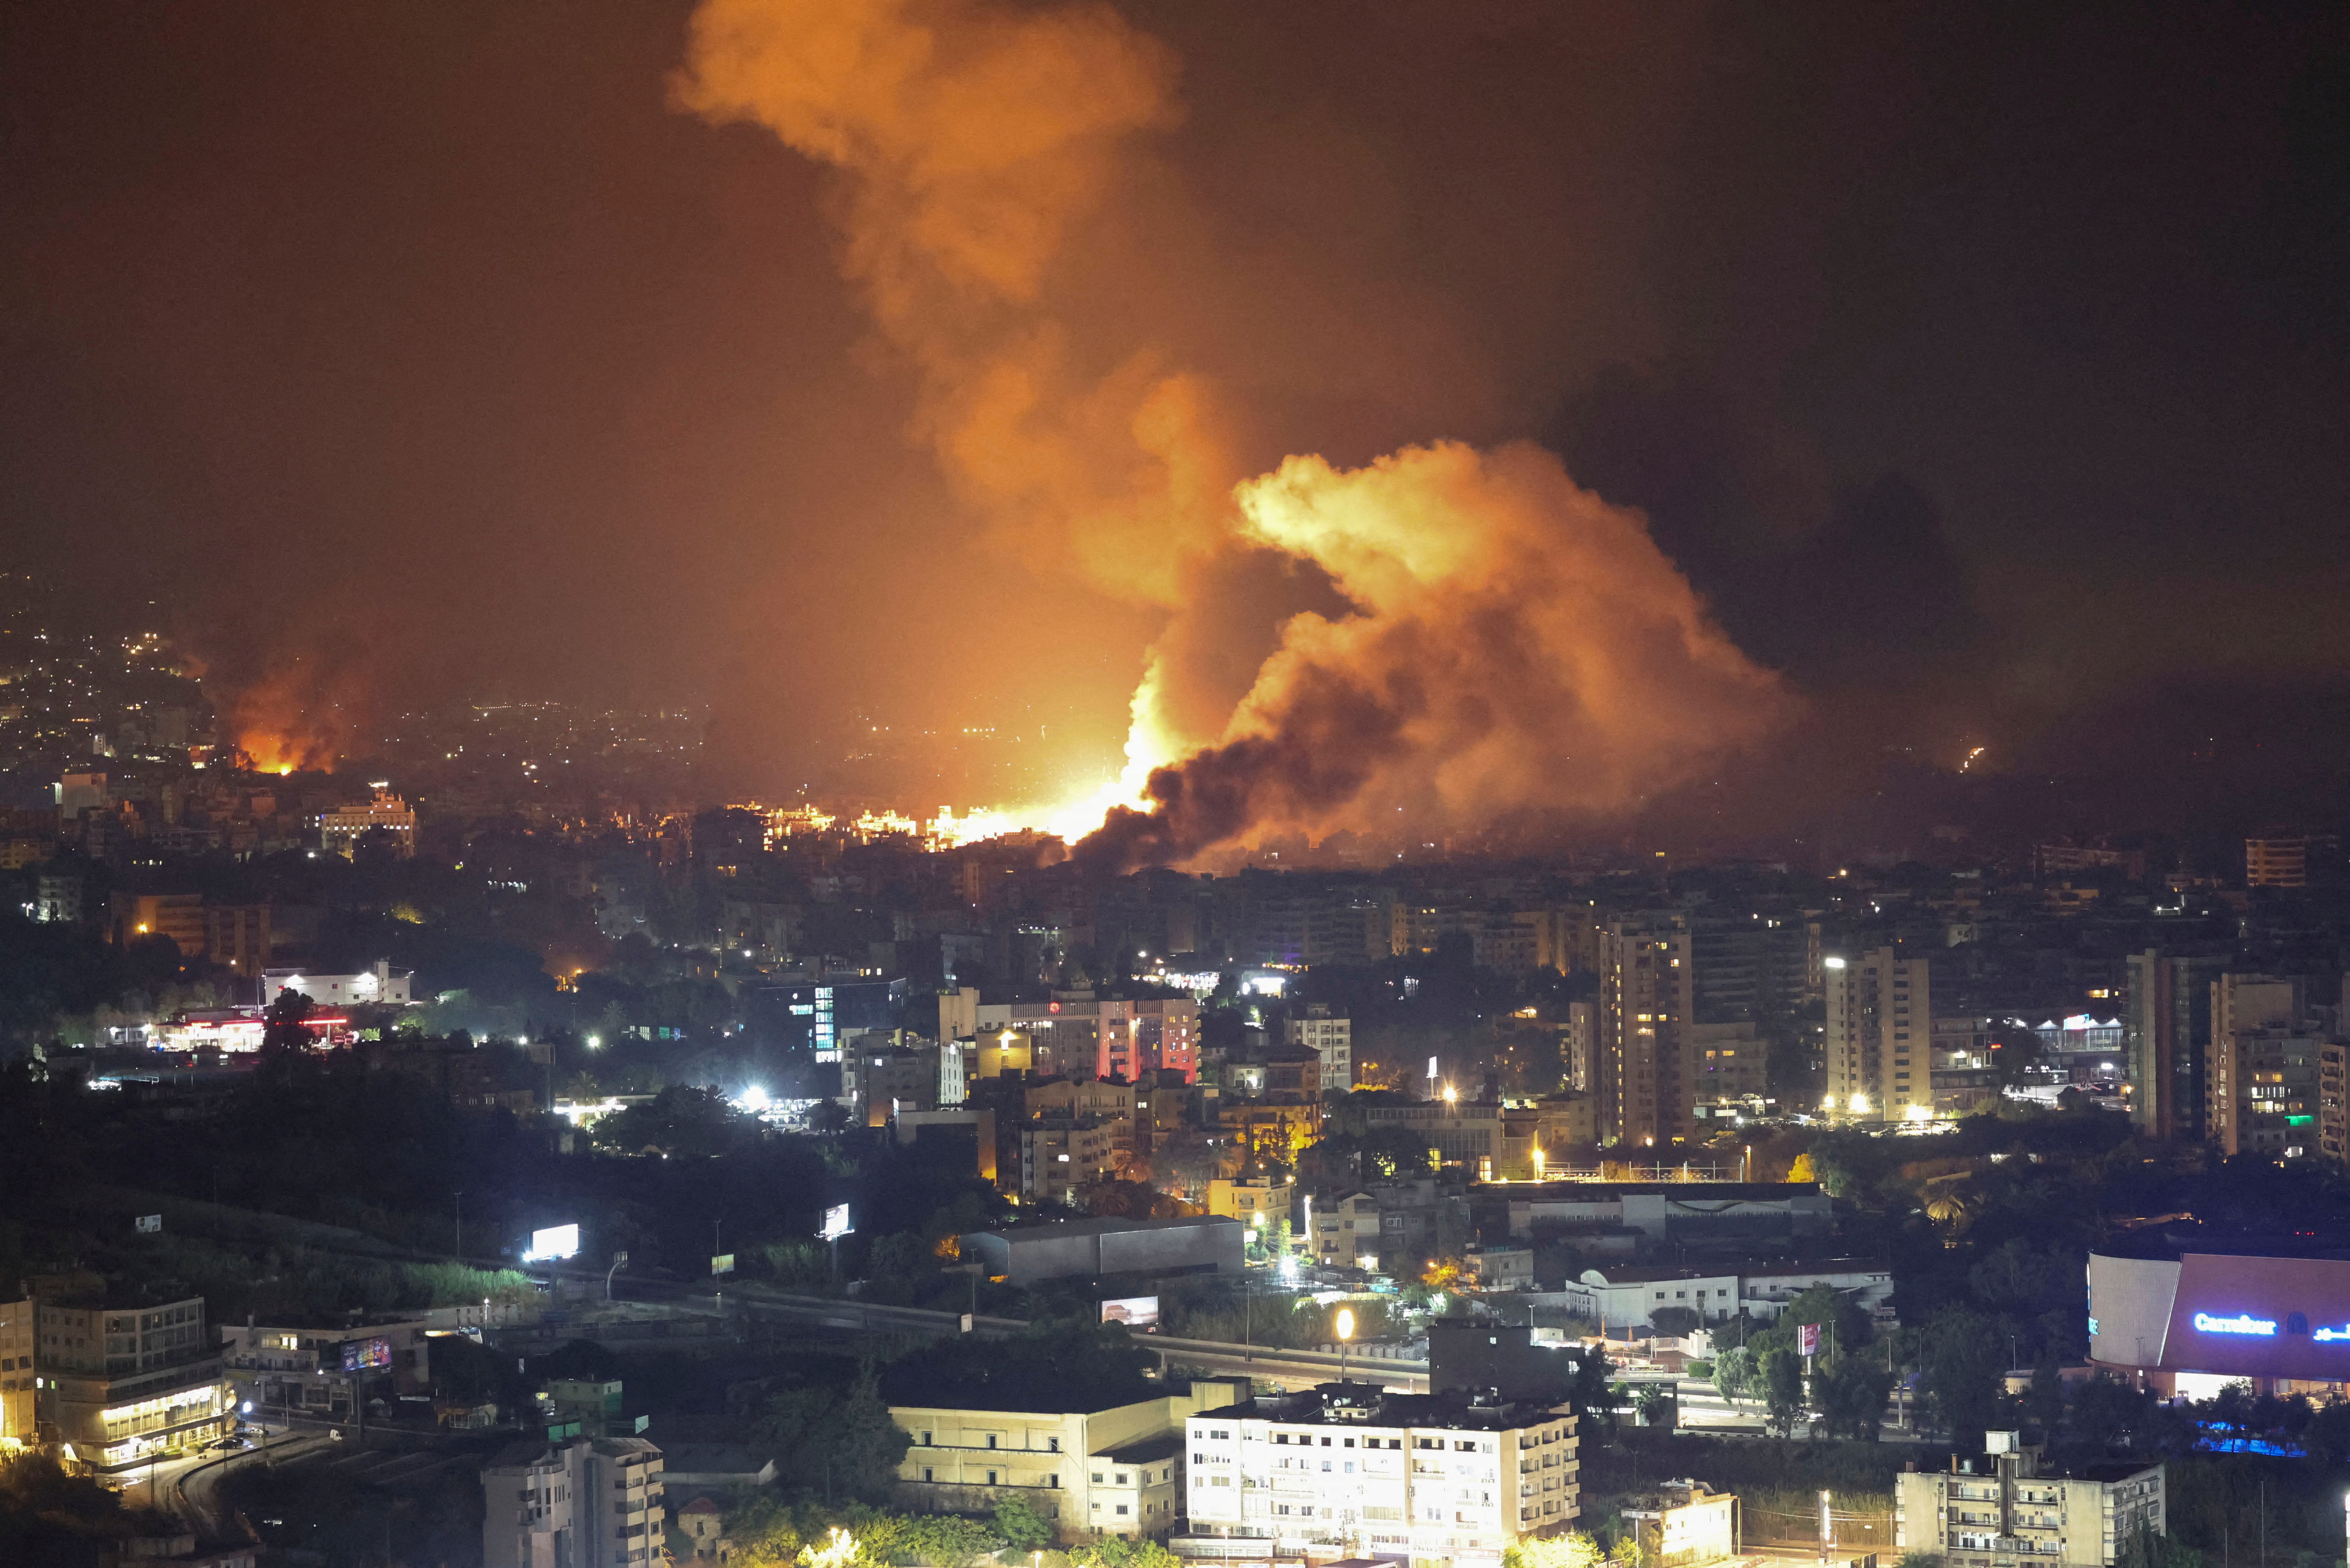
column 1510, row 643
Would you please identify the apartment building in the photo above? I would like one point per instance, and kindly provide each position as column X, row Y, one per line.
column 122, row 1382
column 17, row 1334
column 2261, row 1078
column 1350, row 1470
column 1332, row 1039
column 2000, row 1507
column 1880, row 1011
column 1645, row 995
column 1346, row 1230
column 2334, row 1103
column 1059, row 1154
column 1082, row 1036
column 1091, row 1469
column 592, row 1503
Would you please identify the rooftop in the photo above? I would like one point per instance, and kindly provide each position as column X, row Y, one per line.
column 1103, row 1227
column 1352, row 1405
column 1148, row 1451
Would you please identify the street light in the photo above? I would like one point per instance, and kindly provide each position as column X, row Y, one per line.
column 1345, row 1323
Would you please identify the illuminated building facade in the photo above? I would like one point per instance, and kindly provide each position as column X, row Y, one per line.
column 382, row 986
column 592, row 1501
column 1645, row 997
column 2186, row 1322
column 2002, row 1508
column 320, row 1369
column 1347, row 1468
column 1332, row 1039
column 822, row 1016
column 16, row 1374
column 123, row 1384
column 2167, row 1033
column 1082, row 1036
column 341, row 829
column 1879, row 1037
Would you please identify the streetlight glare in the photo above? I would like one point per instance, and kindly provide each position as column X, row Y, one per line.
column 1345, row 1323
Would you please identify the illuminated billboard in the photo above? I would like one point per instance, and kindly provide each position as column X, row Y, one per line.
column 555, row 1242
column 355, row 1356
column 1139, row 1314
column 836, row 1221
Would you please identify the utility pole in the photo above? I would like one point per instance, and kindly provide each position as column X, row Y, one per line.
column 460, row 1196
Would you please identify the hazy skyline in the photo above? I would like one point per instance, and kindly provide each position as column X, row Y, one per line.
column 1983, row 370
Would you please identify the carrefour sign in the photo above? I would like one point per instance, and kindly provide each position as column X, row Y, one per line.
column 2239, row 1324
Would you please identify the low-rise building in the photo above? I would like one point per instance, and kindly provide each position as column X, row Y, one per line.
column 1203, row 1244
column 1626, row 1298
column 326, row 1370
column 2002, row 1508
column 1350, row 1470
column 381, row 986
column 1059, row 1154
column 1763, row 1289
column 592, row 1501
column 1682, row 1524
column 1090, row 1467
column 122, row 1382
column 1259, row 1202
column 343, row 829
column 1501, row 1268
column 1346, row 1231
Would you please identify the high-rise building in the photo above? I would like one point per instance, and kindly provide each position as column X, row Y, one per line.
column 341, row 829
column 16, row 1374
column 1879, row 1034
column 2002, row 1506
column 1332, row 1039
column 2334, row 1104
column 2260, row 1085
column 1579, row 1049
column 2166, row 1032
column 1645, row 995
column 124, row 1381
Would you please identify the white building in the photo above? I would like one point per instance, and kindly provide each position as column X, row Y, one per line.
column 1086, row 1468
column 1999, row 1509
column 1351, row 1468
column 1765, row 1288
column 341, row 829
column 381, row 986
column 591, row 1501
column 1332, row 1039
column 1627, row 1297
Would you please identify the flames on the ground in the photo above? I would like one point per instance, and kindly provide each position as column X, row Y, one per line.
column 1513, row 646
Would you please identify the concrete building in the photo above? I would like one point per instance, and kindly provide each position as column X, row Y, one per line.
column 1351, row 1470
column 1682, row 1524
column 1081, row 1036
column 17, row 1334
column 1059, row 1154
column 341, row 830
column 1258, row 1202
column 1500, row 1268
column 2288, row 859
column 1210, row 1244
column 1580, row 1048
column 2167, row 1033
column 1332, row 1039
column 1463, row 1132
column 1696, row 1215
column 325, row 1370
column 1623, row 1298
column 1645, row 997
column 1765, row 1289
column 1346, row 1230
column 1090, row 1469
column 2334, row 1104
column 1880, row 1013
column 2002, row 1508
column 382, row 986
column 2264, row 1091
column 121, row 1382
column 592, row 1503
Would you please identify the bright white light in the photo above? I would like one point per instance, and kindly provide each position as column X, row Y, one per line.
column 1831, row 963
column 1345, row 1323
column 1860, row 1102
column 555, row 1242
column 753, row 1100
column 595, row 1041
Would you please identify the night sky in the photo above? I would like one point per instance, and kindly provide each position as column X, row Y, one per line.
column 1984, row 367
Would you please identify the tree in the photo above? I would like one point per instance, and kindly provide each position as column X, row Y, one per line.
column 1022, row 1527
column 1735, row 1373
column 1657, row 1406
column 1960, row 1360
column 1802, row 1170
column 836, row 1442
column 281, row 1023
column 1851, row 1395
column 1674, row 1322
column 1782, row 1392
column 1574, row 1551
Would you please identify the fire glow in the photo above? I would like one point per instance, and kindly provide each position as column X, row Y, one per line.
column 1513, row 646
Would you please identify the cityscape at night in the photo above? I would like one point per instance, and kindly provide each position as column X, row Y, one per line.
column 930, row 784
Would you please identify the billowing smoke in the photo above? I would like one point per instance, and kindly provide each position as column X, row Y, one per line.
column 1510, row 644
column 1517, row 646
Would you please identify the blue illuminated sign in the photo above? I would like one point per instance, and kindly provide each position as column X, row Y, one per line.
column 2239, row 1324
column 2332, row 1334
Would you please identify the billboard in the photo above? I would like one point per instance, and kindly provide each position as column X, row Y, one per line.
column 354, row 1355
column 836, row 1221
column 150, row 1225
column 1139, row 1314
column 555, row 1242
column 723, row 1264
column 1807, row 1338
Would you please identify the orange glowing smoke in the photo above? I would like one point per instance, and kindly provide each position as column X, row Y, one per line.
column 287, row 719
column 1516, row 644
